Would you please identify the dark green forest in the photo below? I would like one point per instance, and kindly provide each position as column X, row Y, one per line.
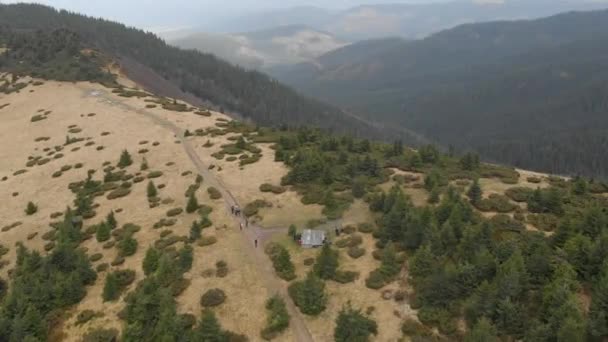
column 506, row 281
column 524, row 93
column 248, row 93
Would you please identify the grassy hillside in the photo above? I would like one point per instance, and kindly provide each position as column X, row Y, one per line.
column 528, row 93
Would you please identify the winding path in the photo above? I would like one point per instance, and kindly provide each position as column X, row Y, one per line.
column 254, row 232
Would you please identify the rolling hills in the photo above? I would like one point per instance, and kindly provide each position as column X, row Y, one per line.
column 529, row 93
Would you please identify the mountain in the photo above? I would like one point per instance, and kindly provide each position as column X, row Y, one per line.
column 410, row 21
column 266, row 48
column 530, row 93
column 187, row 74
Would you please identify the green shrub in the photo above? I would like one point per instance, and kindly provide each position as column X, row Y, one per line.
column 214, row 193
column 118, row 193
column 31, row 209
column 272, row 188
column 37, row 118
column 192, row 205
column 344, row 277
column 96, row 257
column 352, row 325
column 101, row 335
column 253, row 208
column 375, row 280
column 277, row 320
column 155, row 174
column 127, row 246
column 356, row 252
column 497, row 203
column 207, row 241
column 174, row 212
column 519, row 194
column 213, row 298
column 85, row 316
column 534, row 180
column 365, row 228
column 102, row 267
column 281, row 261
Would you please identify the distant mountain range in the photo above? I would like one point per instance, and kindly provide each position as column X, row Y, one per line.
column 530, row 93
column 414, row 20
column 265, row 48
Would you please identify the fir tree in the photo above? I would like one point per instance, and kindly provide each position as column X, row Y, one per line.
column 483, row 331
column 111, row 288
column 327, row 263
column 152, row 192
column 185, row 258
column 475, row 193
column 103, row 232
column 31, row 209
column 192, row 205
column 125, row 160
column 309, row 295
column 195, row 231
column 352, row 325
column 111, row 220
column 151, row 260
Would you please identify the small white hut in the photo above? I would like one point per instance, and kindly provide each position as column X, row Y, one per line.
column 312, row 238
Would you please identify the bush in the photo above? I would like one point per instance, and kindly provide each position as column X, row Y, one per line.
column 344, row 277
column 214, row 193
column 213, row 298
column 118, row 193
column 221, row 269
column 96, row 257
column 534, row 180
column 127, row 246
column 281, row 260
column 174, row 212
column 272, row 188
column 85, row 316
column 277, row 320
column 366, row 228
column 31, row 209
column 375, row 280
column 356, row 252
column 101, row 335
column 155, row 174
column 253, row 208
column 192, row 205
column 497, row 203
column 207, row 241
column 519, row 194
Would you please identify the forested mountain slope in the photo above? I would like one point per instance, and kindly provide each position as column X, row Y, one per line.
column 529, row 93
column 250, row 94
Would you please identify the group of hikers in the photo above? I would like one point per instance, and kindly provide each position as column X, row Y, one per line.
column 236, row 211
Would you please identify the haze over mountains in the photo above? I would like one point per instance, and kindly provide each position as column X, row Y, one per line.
column 529, row 93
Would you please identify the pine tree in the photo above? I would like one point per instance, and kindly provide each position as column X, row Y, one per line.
column 152, row 192
column 353, row 326
column 483, row 331
column 103, row 232
column 327, row 263
column 111, row 220
column 283, row 265
column 83, row 203
column 475, row 193
column 151, row 260
column 185, row 258
column 111, row 288
column 422, row 264
column 127, row 246
column 598, row 313
column 125, row 160
column 192, row 205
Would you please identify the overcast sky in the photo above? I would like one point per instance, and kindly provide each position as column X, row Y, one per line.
column 148, row 13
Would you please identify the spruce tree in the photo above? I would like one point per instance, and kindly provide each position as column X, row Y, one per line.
column 125, row 160
column 389, row 267
column 309, row 295
column 144, row 165
column 475, row 193
column 483, row 331
column 111, row 288
column 151, row 260
column 103, row 232
column 192, row 205
column 185, row 258
column 111, row 220
column 327, row 263
column 195, row 231
column 283, row 265
column 127, row 246
column 209, row 329
column 152, row 192
column 352, row 325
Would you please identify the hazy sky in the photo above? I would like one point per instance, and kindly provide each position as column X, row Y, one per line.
column 147, row 13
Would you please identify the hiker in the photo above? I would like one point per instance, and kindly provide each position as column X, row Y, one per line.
column 232, row 209
column 256, row 243
column 241, row 224
column 247, row 223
